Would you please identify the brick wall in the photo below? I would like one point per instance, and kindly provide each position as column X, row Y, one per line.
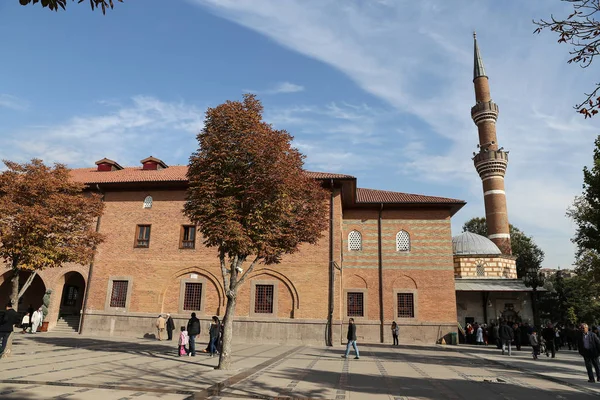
column 500, row 266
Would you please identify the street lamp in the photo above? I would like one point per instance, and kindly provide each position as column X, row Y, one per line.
column 534, row 278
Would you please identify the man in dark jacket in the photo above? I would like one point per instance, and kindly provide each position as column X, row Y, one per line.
column 506, row 336
column 589, row 347
column 7, row 324
column 193, row 328
column 170, row 325
column 351, row 339
column 549, row 335
column 517, row 332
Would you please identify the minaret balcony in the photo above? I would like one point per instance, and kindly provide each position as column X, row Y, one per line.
column 484, row 111
column 491, row 162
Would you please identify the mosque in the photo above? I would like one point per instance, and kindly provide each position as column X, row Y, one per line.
column 386, row 256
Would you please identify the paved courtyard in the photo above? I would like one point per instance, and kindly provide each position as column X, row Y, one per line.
column 45, row 366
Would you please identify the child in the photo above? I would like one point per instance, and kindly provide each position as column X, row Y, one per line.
column 184, row 339
column 535, row 344
column 25, row 323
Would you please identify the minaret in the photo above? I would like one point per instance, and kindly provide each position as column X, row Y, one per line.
column 491, row 161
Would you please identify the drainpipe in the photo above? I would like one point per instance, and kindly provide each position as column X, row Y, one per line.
column 329, row 339
column 379, row 246
column 87, row 286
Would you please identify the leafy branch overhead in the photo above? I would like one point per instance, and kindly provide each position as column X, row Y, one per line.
column 55, row 4
column 582, row 31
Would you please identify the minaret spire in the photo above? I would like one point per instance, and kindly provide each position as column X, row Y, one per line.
column 491, row 161
column 478, row 68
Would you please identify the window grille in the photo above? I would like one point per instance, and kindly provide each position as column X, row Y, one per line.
column 354, row 241
column 148, row 202
column 143, row 236
column 406, row 305
column 402, row 241
column 480, row 269
column 355, row 304
column 70, row 297
column 118, row 296
column 188, row 237
column 263, row 299
column 192, row 297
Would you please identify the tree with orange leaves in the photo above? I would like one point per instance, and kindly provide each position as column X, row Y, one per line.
column 250, row 197
column 55, row 4
column 46, row 220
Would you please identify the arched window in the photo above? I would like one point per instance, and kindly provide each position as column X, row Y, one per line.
column 148, row 202
column 354, row 241
column 402, row 241
column 480, row 269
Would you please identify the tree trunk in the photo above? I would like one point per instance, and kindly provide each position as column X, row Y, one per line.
column 225, row 356
column 27, row 284
column 14, row 297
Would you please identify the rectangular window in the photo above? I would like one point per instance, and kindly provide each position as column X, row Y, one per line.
column 142, row 236
column 118, row 296
column 406, row 305
column 192, row 296
column 356, row 304
column 263, row 300
column 70, row 296
column 188, row 237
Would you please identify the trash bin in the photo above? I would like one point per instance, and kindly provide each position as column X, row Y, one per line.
column 453, row 338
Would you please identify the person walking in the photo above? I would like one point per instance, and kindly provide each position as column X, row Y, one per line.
column 36, row 320
column 184, row 340
column 535, row 344
column 506, row 337
column 160, row 326
column 395, row 332
column 213, row 334
column 517, row 332
column 7, row 326
column 170, row 326
column 351, row 336
column 479, row 336
column 589, row 348
column 193, row 329
column 25, row 322
column 549, row 335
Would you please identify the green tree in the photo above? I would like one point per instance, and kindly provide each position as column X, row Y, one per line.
column 250, row 197
column 528, row 253
column 54, row 5
column 45, row 220
column 581, row 30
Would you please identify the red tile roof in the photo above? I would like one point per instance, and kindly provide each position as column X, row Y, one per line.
column 176, row 173
column 383, row 196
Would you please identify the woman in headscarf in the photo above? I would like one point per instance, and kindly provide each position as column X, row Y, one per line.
column 36, row 319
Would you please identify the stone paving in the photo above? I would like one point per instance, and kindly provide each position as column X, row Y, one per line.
column 50, row 366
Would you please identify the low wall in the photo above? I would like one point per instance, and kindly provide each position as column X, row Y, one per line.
column 284, row 331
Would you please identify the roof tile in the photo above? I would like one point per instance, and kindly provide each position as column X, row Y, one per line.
column 383, row 196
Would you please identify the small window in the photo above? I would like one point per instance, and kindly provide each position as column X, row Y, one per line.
column 188, row 237
column 263, row 299
column 142, row 236
column 406, row 305
column 70, row 296
column 148, row 202
column 354, row 241
column 118, row 295
column 192, row 297
column 402, row 241
column 480, row 269
column 356, row 304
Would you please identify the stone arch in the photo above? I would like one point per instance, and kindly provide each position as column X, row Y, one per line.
column 355, row 281
column 210, row 277
column 287, row 283
column 404, row 282
column 33, row 295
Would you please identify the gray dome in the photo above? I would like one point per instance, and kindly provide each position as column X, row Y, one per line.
column 468, row 243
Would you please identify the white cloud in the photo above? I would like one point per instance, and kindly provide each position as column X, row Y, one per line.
column 279, row 88
column 12, row 102
column 417, row 56
column 125, row 133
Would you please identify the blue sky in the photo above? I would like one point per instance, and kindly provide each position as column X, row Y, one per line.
column 380, row 89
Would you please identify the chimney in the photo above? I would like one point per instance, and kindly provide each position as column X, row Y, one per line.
column 108, row 165
column 152, row 163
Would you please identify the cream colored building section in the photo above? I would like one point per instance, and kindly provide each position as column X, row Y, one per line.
column 493, row 267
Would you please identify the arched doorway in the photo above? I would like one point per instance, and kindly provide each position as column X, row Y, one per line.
column 33, row 296
column 71, row 303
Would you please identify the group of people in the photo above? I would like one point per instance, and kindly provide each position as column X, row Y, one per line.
column 32, row 320
column 187, row 336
